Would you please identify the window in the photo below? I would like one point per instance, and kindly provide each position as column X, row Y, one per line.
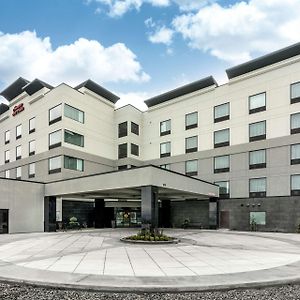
column 6, row 156
column 295, row 123
column 54, row 164
column 224, row 190
column 257, row 103
column 74, row 138
column 191, row 144
column 166, row 166
column 295, row 92
column 295, row 154
column 165, row 149
column 295, row 185
column 221, row 112
column 191, row 120
column 55, row 139
column 135, row 128
column 31, row 170
column 73, row 163
column 74, row 113
column 31, row 125
column 18, row 152
column 55, row 114
column 7, row 174
column 257, row 131
column 191, row 167
column 19, row 173
column 122, row 129
column 122, row 150
column 257, row 187
column 6, row 137
column 134, row 149
column 257, row 159
column 31, row 147
column 221, row 138
column 165, row 127
column 18, row 132
column 221, row 164
column 259, row 217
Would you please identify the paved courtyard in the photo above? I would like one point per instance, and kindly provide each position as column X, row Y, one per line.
column 97, row 259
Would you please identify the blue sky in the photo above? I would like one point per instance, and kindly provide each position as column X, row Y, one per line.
column 138, row 48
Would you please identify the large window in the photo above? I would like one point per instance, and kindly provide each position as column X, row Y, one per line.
column 165, row 149
column 74, row 138
column 135, row 128
column 221, row 164
column 31, row 170
column 257, row 187
column 134, row 149
column 73, row 163
column 257, row 131
column 6, row 137
column 295, row 92
column 18, row 132
column 295, row 185
column 295, row 154
column 295, row 123
column 257, row 159
column 257, row 103
column 54, row 164
column 122, row 150
column 221, row 138
column 191, row 120
column 6, row 156
column 74, row 113
column 55, row 139
column 55, row 114
column 122, row 129
column 165, row 127
column 31, row 125
column 224, row 190
column 31, row 147
column 191, row 144
column 18, row 172
column 221, row 112
column 259, row 217
column 18, row 152
column 191, row 167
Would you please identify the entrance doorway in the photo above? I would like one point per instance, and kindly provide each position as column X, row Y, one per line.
column 3, row 221
column 224, row 219
column 128, row 217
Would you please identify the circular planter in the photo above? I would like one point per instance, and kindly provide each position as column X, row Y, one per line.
column 172, row 241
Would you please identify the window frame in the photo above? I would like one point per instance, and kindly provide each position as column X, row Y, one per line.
column 6, row 141
column 294, row 130
column 72, row 157
column 167, row 154
column 57, row 170
column 294, row 192
column 57, row 144
column 162, row 133
column 221, row 170
column 32, row 129
column 260, row 165
column 223, row 118
column 187, row 127
column 227, row 195
column 20, row 135
column 294, row 161
column 19, row 168
column 121, row 133
column 257, row 137
column 223, row 144
column 18, row 156
column 31, row 152
column 73, row 132
column 297, row 99
column 119, row 152
column 6, row 161
column 257, row 109
column 192, row 173
column 194, row 149
column 260, row 194
column 31, row 175
column 134, row 147
column 56, row 119
column 165, row 166
column 134, row 128
column 83, row 114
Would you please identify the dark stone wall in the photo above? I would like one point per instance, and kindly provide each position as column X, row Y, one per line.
column 282, row 213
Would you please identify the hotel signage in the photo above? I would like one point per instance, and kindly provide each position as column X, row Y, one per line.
column 18, row 108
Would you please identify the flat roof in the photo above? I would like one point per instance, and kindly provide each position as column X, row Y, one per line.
column 183, row 90
column 36, row 85
column 15, row 89
column 264, row 61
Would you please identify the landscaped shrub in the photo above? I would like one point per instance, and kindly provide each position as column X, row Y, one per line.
column 150, row 235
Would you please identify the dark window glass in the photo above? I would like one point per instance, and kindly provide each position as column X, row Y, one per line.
column 224, row 190
column 135, row 128
column 191, row 144
column 165, row 127
column 73, row 163
column 134, row 149
column 122, row 129
column 295, row 92
column 295, row 185
column 122, row 150
column 74, row 138
column 295, row 154
column 74, row 113
column 295, row 123
column 123, row 167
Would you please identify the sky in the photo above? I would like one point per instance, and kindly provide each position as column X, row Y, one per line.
column 138, row 48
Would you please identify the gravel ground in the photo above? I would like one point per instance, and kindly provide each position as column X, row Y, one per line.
column 14, row 291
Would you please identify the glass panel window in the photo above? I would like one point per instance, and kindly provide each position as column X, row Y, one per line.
column 221, row 164
column 19, row 172
column 295, row 154
column 191, row 167
column 221, row 112
column 166, row 166
column 31, row 170
column 74, row 138
column 7, row 173
column 18, row 131
column 221, row 138
column 295, row 92
column 32, row 125
column 257, row 159
column 7, row 137
column 191, row 120
column 295, row 123
column 55, row 114
column 257, row 131
column 191, row 144
column 258, row 187
column 55, row 139
column 224, row 188
column 165, row 127
column 258, row 217
column 134, row 149
column 257, row 103
column 295, row 185
column 7, row 156
column 73, row 163
column 165, row 149
column 135, row 128
column 123, row 150
column 18, row 152
column 32, row 147
column 74, row 113
column 122, row 129
column 54, row 164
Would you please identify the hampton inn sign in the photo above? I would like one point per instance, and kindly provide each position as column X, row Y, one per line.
column 18, row 108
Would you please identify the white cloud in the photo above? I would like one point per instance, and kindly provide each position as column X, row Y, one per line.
column 188, row 5
column 25, row 54
column 161, row 35
column 135, row 98
column 238, row 32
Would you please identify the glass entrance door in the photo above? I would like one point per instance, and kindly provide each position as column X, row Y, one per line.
column 128, row 217
column 3, row 221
